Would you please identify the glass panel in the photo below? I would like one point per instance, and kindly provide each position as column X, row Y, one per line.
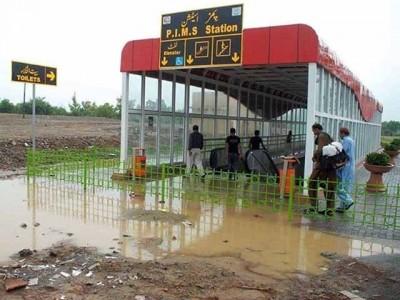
column 318, row 88
column 179, row 145
column 209, row 99
column 135, row 88
column 241, row 132
column 208, row 128
column 243, row 104
column 194, row 121
column 325, row 96
column 151, row 94
column 266, row 129
column 274, row 105
column 150, row 137
column 180, row 95
column 259, row 108
column 252, row 106
column 195, row 97
column 331, row 96
column 166, row 95
column 343, row 92
column 251, row 126
column 232, row 123
column 134, row 123
column 233, row 102
column 337, row 95
column 221, row 130
column 267, row 108
column 165, row 139
column 285, row 117
column 222, row 101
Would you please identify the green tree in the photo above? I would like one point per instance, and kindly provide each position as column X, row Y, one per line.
column 42, row 107
column 75, row 108
column 89, row 109
column 6, row 106
column 106, row 110
column 390, row 128
column 59, row 111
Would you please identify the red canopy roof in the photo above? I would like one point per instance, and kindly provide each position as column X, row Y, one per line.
column 288, row 44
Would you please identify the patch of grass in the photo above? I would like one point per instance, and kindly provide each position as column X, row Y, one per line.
column 387, row 139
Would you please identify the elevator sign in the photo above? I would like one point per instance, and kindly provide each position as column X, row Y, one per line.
column 200, row 38
column 25, row 72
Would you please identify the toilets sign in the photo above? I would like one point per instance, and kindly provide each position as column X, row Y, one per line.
column 29, row 73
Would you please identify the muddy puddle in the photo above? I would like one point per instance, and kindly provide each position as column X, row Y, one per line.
column 38, row 213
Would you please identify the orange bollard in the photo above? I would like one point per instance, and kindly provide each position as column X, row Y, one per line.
column 286, row 174
column 139, row 162
column 289, row 174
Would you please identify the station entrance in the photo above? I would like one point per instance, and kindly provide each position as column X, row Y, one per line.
column 287, row 81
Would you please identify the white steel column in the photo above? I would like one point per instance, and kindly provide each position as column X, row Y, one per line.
column 311, row 103
column 124, row 121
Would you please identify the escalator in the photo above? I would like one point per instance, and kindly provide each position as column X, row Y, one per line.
column 259, row 161
column 255, row 161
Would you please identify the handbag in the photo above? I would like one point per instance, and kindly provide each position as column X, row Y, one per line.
column 333, row 162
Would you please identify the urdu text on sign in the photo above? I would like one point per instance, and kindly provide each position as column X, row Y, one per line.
column 30, row 73
column 207, row 37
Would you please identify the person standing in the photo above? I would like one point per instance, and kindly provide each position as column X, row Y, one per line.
column 194, row 148
column 328, row 178
column 288, row 148
column 233, row 150
column 255, row 141
column 346, row 173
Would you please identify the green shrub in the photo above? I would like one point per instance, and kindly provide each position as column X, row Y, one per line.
column 375, row 158
column 390, row 147
column 395, row 144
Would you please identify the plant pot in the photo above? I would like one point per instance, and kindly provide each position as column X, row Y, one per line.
column 392, row 154
column 375, row 181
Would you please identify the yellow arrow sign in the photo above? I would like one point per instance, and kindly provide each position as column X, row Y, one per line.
column 190, row 59
column 235, row 57
column 51, row 76
column 164, row 61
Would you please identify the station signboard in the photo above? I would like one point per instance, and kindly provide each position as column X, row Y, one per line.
column 200, row 38
column 29, row 73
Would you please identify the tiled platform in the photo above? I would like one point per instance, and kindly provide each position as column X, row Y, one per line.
column 380, row 205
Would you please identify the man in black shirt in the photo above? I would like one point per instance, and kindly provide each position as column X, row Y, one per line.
column 194, row 148
column 233, row 151
column 256, row 142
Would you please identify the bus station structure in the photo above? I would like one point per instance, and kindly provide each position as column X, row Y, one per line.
column 273, row 79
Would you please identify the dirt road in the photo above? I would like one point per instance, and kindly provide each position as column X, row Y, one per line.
column 52, row 132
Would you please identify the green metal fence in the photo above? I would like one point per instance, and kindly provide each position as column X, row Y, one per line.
column 101, row 168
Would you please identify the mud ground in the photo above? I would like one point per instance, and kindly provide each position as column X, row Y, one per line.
column 65, row 271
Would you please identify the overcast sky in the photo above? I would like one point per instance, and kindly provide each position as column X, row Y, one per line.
column 84, row 39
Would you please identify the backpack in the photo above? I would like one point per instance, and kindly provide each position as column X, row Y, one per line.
column 331, row 161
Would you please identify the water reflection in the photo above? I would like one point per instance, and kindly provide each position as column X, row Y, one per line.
column 220, row 225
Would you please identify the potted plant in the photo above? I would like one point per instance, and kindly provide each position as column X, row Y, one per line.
column 396, row 143
column 378, row 164
column 392, row 150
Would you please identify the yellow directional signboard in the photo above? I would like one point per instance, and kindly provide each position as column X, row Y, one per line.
column 25, row 72
column 207, row 37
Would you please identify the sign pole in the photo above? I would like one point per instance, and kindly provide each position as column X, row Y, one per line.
column 33, row 118
column 23, row 106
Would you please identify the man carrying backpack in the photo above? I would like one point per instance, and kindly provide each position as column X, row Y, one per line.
column 346, row 173
column 326, row 177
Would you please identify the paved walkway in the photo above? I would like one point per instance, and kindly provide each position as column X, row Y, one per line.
column 375, row 217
